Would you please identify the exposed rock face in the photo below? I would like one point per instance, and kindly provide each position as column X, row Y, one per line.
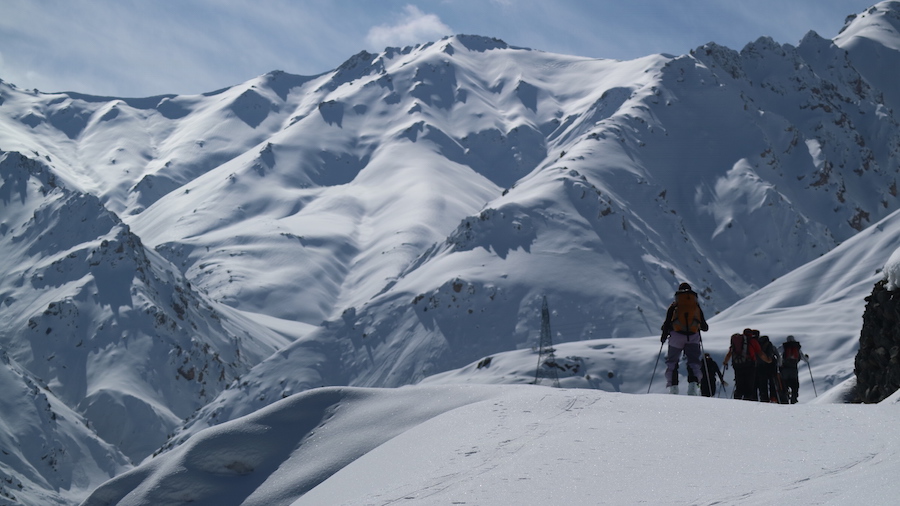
column 878, row 360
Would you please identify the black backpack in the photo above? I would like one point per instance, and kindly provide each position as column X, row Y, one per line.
column 769, row 349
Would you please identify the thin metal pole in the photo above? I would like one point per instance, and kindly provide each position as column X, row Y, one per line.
column 811, row 378
column 655, row 366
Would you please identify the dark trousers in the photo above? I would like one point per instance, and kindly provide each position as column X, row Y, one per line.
column 745, row 382
column 708, row 387
column 766, row 383
column 790, row 379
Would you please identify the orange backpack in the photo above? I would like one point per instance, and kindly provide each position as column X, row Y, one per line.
column 686, row 318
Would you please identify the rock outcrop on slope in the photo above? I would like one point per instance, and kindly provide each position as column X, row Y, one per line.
column 878, row 360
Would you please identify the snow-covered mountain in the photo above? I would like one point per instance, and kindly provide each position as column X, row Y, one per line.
column 98, row 325
column 50, row 453
column 607, row 229
column 404, row 215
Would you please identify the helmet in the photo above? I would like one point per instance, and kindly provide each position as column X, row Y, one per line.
column 791, row 339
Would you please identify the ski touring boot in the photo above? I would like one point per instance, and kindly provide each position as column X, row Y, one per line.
column 693, row 389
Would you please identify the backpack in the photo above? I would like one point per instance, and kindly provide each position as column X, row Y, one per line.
column 768, row 348
column 791, row 354
column 740, row 349
column 686, row 317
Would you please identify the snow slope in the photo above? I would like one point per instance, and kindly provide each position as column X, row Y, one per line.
column 457, row 444
column 821, row 304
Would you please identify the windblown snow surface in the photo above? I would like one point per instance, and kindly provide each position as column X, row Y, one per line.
column 502, row 444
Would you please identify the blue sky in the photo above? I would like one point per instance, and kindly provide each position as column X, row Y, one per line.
column 132, row 48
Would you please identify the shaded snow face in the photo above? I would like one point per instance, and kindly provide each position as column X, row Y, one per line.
column 112, row 329
column 51, row 454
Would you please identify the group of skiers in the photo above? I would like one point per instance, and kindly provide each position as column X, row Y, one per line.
column 761, row 372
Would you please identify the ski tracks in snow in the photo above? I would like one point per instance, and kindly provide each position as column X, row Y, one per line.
column 510, row 431
column 477, row 463
column 830, row 481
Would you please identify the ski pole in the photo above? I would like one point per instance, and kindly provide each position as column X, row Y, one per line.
column 780, row 388
column 655, row 366
column 706, row 377
column 811, row 378
column 733, row 384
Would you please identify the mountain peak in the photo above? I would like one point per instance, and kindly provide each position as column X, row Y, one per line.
column 479, row 43
column 880, row 23
column 872, row 40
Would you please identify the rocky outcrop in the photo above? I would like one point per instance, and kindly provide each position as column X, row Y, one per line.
column 878, row 360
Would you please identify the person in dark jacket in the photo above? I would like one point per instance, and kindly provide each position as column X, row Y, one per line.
column 767, row 385
column 710, row 371
column 790, row 359
column 743, row 352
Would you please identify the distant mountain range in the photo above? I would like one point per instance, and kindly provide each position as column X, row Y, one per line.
column 174, row 262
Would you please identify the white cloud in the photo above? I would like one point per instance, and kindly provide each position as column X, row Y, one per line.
column 413, row 27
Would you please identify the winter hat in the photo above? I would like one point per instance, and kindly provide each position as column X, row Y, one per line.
column 791, row 339
column 684, row 287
